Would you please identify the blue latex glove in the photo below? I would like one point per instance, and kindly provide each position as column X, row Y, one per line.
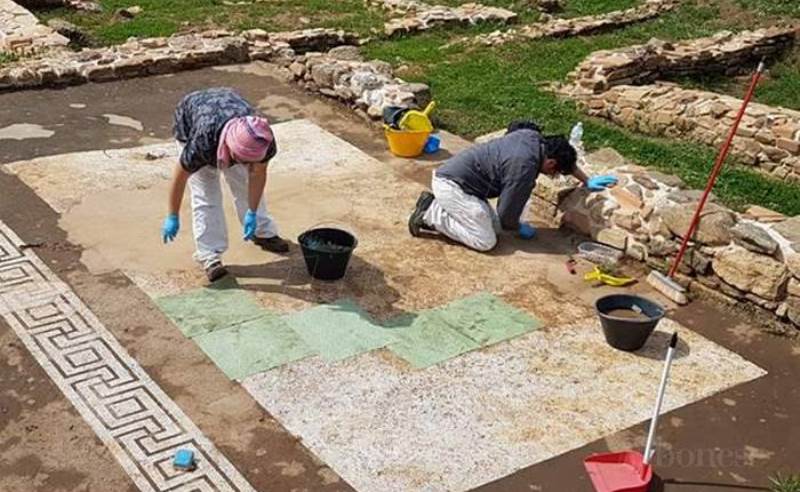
column 170, row 228
column 526, row 231
column 249, row 225
column 600, row 183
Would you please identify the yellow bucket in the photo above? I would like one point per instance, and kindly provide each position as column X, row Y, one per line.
column 406, row 144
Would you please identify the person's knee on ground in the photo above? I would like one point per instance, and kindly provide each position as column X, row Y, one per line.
column 484, row 244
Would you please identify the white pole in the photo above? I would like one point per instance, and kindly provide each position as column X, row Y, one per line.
column 651, row 435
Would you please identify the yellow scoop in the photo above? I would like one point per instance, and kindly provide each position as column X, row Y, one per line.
column 607, row 279
column 418, row 121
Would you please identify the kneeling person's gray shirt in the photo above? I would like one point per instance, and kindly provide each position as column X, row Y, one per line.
column 505, row 168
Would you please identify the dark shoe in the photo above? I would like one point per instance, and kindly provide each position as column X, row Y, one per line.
column 273, row 244
column 215, row 270
column 415, row 222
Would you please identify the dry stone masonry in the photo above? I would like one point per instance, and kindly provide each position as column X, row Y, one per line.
column 149, row 56
column 724, row 52
column 419, row 16
column 340, row 73
column 369, row 87
column 768, row 138
column 562, row 28
column 619, row 86
column 751, row 258
column 22, row 33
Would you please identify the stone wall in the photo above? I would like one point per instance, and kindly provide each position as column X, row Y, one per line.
column 420, row 16
column 366, row 86
column 22, row 33
column 768, row 137
column 725, row 53
column 551, row 27
column 340, row 73
column 751, row 258
column 150, row 56
column 608, row 84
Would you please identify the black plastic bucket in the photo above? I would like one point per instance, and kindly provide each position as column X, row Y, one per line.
column 626, row 333
column 327, row 252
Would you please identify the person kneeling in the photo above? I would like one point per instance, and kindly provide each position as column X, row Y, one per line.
column 505, row 168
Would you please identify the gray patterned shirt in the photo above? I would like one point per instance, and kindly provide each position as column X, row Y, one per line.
column 199, row 120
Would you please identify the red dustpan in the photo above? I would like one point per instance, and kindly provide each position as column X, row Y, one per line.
column 620, row 472
column 629, row 471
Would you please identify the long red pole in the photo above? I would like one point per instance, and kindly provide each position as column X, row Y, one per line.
column 712, row 179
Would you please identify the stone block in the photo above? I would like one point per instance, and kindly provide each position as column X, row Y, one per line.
column 636, row 250
column 793, row 264
column 615, row 238
column 606, row 158
column 667, row 179
column 714, row 227
column 626, row 199
column 754, row 238
column 763, row 303
column 661, row 247
column 645, row 181
column 793, row 309
column 764, row 215
column 789, row 229
column 752, row 272
column 792, row 146
column 627, row 219
column 793, row 288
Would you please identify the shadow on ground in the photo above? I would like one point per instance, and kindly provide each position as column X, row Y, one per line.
column 364, row 283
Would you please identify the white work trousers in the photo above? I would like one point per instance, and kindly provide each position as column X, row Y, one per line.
column 208, row 217
column 462, row 217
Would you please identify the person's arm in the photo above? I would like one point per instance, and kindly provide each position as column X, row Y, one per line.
column 513, row 198
column 256, row 182
column 179, row 178
column 169, row 229
column 580, row 175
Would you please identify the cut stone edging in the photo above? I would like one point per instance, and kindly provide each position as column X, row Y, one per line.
column 751, row 258
column 723, row 52
column 420, row 16
column 576, row 26
column 367, row 86
column 768, row 138
column 22, row 33
column 608, row 84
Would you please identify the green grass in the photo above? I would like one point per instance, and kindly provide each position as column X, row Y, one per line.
column 788, row 483
column 165, row 17
column 575, row 8
column 782, row 86
column 772, row 7
column 481, row 90
column 7, row 57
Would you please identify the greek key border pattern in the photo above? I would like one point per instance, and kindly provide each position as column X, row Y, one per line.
column 135, row 419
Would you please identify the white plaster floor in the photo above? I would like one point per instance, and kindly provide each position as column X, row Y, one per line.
column 484, row 415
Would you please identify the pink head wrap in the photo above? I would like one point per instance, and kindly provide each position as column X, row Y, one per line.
column 246, row 138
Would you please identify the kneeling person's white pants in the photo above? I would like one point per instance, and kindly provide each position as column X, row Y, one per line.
column 462, row 217
column 208, row 217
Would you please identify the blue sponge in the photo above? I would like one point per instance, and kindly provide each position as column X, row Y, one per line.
column 184, row 460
